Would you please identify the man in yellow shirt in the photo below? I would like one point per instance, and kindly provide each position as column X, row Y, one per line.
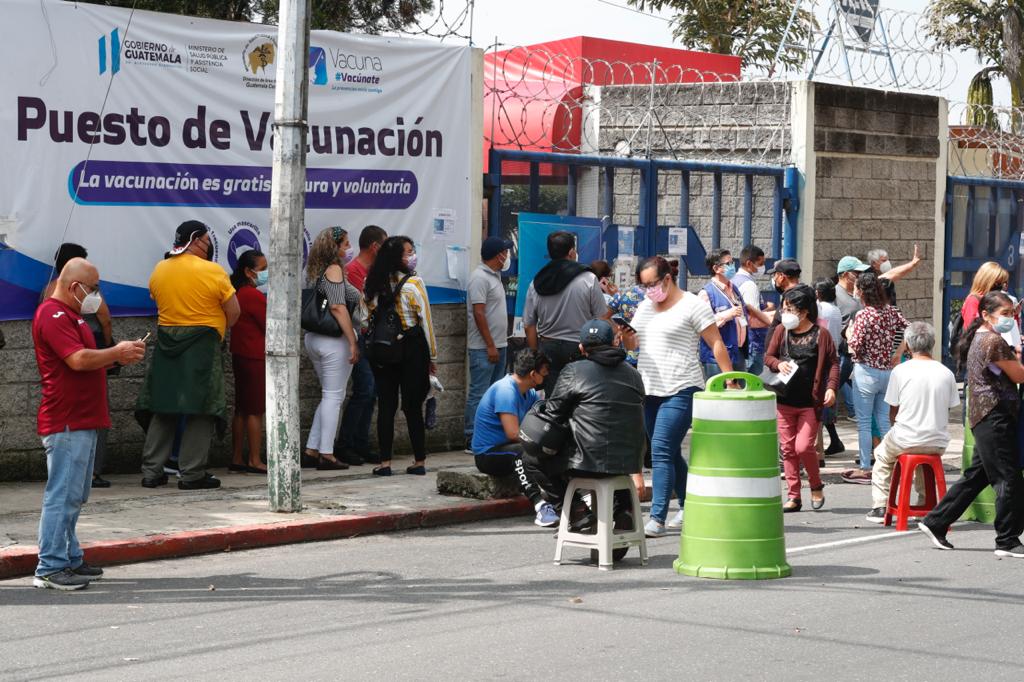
column 196, row 304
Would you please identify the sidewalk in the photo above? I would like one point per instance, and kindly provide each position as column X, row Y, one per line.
column 127, row 522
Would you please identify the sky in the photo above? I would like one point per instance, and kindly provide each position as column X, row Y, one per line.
column 524, row 22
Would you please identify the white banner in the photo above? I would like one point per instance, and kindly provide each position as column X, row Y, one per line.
column 114, row 128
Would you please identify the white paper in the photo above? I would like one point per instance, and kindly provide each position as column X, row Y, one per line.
column 443, row 224
column 456, row 260
column 627, row 235
column 677, row 241
column 784, row 377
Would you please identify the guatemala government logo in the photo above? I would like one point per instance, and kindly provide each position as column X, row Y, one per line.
column 114, row 52
column 258, row 58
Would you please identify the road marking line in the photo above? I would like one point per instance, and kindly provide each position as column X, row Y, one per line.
column 855, row 541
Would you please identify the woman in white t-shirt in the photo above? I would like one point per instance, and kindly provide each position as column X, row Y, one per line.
column 669, row 324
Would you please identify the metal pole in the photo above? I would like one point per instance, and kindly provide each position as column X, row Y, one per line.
column 287, row 214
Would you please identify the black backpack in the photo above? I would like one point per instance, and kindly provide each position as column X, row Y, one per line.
column 384, row 338
column 956, row 329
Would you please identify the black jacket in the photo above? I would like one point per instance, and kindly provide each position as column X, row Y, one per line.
column 602, row 398
column 556, row 276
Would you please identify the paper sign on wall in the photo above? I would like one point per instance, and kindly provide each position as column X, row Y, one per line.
column 443, row 223
column 627, row 236
column 677, row 241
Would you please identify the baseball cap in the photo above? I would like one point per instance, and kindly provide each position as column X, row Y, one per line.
column 787, row 266
column 492, row 246
column 185, row 234
column 848, row 263
column 596, row 333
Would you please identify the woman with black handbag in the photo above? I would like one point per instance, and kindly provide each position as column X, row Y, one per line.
column 401, row 347
column 330, row 341
column 802, row 352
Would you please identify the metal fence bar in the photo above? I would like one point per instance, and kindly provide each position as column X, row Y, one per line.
column 629, row 162
column 748, row 209
column 570, row 200
column 716, row 211
column 534, row 185
column 969, row 227
column 777, row 220
column 494, row 203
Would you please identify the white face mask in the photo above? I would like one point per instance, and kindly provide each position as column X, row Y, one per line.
column 790, row 320
column 507, row 263
column 885, row 267
column 349, row 254
column 761, row 269
column 91, row 303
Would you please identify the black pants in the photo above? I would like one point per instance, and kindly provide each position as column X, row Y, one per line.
column 560, row 353
column 996, row 464
column 411, row 378
column 507, row 460
column 552, row 474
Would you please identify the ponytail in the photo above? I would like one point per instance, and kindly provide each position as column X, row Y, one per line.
column 991, row 302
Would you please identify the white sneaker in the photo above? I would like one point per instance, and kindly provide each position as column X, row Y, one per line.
column 676, row 522
column 653, row 529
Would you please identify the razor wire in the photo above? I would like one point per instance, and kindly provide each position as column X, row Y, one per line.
column 898, row 53
column 449, row 21
column 986, row 141
column 540, row 100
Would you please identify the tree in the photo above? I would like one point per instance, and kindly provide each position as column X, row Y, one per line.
column 749, row 29
column 993, row 29
column 364, row 16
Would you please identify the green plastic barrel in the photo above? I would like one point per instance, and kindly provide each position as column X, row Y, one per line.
column 733, row 524
column 983, row 508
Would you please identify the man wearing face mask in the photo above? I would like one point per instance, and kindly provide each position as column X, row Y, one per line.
column 562, row 296
column 758, row 311
column 72, row 409
column 878, row 260
column 487, row 326
column 196, row 304
column 730, row 312
column 785, row 275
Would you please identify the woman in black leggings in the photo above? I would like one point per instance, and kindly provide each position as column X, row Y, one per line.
column 392, row 277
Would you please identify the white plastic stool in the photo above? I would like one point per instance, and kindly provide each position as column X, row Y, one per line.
column 607, row 538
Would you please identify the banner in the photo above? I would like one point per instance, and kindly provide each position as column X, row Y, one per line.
column 115, row 128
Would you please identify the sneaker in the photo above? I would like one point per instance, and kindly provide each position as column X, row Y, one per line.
column 469, row 445
column 91, row 572
column 676, row 522
column 938, row 539
column 861, row 476
column 154, row 482
column 1016, row 552
column 61, row 580
column 100, row 482
column 207, row 482
column 876, row 515
column 546, row 517
column 655, row 529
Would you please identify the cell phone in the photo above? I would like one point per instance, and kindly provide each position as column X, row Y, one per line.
column 621, row 321
column 146, row 337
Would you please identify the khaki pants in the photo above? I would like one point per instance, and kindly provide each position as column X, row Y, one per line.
column 881, row 473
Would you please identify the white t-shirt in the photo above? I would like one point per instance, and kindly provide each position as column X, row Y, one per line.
column 669, row 357
column 831, row 319
column 750, row 294
column 924, row 390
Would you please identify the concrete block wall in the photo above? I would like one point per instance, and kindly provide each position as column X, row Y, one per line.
column 22, row 457
column 876, row 156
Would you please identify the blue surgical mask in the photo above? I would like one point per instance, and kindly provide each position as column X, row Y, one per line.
column 262, row 277
column 1003, row 324
column 730, row 270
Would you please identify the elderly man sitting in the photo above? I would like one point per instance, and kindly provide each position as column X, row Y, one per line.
column 923, row 391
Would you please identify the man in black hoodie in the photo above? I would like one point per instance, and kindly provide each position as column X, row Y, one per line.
column 602, row 398
column 562, row 296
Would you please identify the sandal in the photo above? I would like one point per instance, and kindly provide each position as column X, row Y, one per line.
column 819, row 503
column 792, row 505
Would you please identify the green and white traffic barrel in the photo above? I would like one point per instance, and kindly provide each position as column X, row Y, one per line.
column 733, row 524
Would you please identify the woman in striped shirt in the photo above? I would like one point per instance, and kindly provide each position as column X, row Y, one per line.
column 411, row 375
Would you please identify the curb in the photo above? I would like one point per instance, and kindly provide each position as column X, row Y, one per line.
column 22, row 561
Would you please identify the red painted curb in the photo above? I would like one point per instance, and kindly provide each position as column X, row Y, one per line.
column 22, row 561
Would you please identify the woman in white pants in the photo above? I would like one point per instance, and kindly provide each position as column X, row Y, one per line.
column 332, row 356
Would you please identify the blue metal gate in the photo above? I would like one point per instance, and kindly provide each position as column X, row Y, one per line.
column 652, row 231
column 983, row 223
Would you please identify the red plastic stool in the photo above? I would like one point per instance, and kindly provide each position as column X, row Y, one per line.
column 903, row 483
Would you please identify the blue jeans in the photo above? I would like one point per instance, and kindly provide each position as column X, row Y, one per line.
column 845, row 385
column 354, row 435
column 482, row 375
column 755, row 363
column 668, row 420
column 69, row 462
column 869, row 386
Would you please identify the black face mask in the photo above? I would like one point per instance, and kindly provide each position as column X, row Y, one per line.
column 778, row 287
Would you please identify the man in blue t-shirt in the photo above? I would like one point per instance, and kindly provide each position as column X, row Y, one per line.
column 495, row 444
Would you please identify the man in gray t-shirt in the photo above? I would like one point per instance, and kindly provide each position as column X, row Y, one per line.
column 487, row 326
column 562, row 297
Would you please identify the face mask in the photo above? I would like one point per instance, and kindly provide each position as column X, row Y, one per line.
column 349, row 254
column 778, row 287
column 729, row 270
column 411, row 261
column 1002, row 325
column 91, row 303
column 657, row 294
column 761, row 269
column 506, row 264
column 790, row 320
column 885, row 267
column 261, row 278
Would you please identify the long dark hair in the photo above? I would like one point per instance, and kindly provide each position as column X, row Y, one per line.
column 872, row 293
column 247, row 260
column 991, row 302
column 388, row 261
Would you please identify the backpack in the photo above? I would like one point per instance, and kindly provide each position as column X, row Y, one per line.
column 956, row 329
column 384, row 338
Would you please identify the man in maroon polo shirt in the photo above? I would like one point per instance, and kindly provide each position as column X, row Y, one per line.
column 73, row 407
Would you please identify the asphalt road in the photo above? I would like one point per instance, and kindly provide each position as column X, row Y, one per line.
column 484, row 601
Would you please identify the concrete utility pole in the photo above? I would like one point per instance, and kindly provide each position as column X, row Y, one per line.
column 287, row 215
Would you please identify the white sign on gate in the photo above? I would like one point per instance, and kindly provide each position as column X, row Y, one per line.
column 121, row 130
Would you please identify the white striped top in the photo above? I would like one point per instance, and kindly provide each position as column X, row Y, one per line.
column 669, row 355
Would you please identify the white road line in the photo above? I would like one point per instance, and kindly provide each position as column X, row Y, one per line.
column 910, row 532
